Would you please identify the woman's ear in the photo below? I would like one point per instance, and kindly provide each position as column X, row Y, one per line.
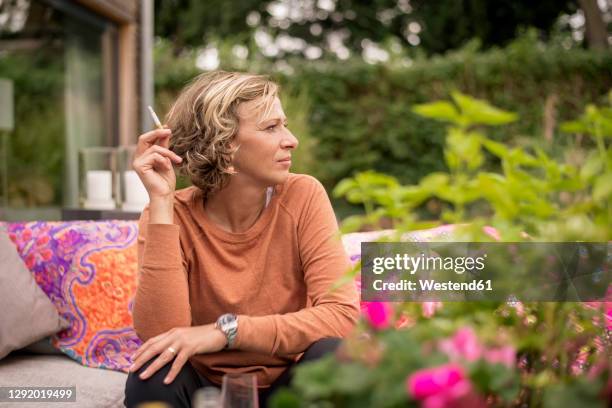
column 233, row 145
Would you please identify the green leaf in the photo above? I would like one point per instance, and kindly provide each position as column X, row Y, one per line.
column 498, row 149
column 312, row 379
column 495, row 188
column 284, row 398
column 434, row 182
column 592, row 166
column 602, row 188
column 372, row 178
column 582, row 393
column 352, row 223
column 440, row 110
column 413, row 195
column 344, row 186
column 575, row 126
column 481, row 112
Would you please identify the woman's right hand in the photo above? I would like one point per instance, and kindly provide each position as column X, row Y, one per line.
column 153, row 163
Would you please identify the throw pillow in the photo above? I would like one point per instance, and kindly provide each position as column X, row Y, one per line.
column 89, row 270
column 27, row 313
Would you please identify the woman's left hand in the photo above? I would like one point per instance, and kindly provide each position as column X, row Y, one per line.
column 179, row 344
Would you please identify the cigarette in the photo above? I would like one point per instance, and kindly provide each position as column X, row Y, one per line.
column 155, row 118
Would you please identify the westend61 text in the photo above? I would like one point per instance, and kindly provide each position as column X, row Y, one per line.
column 432, row 285
column 421, row 262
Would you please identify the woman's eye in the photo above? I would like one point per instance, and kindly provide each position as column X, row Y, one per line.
column 276, row 125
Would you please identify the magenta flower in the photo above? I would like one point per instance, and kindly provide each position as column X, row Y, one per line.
column 377, row 314
column 463, row 345
column 442, row 387
column 431, row 381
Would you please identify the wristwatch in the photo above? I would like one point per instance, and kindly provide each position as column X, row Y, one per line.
column 228, row 324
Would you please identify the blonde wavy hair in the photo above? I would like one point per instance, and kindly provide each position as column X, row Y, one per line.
column 204, row 122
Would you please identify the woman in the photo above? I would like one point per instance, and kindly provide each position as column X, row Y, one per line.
column 235, row 272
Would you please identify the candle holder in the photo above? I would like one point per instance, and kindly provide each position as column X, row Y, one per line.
column 97, row 175
column 133, row 194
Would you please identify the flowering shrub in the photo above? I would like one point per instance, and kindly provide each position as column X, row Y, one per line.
column 443, row 386
column 475, row 354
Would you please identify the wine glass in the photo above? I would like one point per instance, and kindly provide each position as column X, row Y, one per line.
column 239, row 391
column 207, row 397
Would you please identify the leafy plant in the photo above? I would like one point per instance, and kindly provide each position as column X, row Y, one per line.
column 532, row 194
column 479, row 353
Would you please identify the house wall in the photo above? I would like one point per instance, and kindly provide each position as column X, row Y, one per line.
column 126, row 14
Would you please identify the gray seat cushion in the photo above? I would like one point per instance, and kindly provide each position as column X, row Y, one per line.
column 32, row 315
column 95, row 387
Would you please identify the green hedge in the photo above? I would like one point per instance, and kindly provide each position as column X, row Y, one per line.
column 359, row 114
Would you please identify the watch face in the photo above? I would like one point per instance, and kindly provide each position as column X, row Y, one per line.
column 227, row 321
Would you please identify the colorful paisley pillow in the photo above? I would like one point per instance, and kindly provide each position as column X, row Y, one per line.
column 88, row 270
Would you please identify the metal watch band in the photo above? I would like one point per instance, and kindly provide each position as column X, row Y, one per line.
column 228, row 324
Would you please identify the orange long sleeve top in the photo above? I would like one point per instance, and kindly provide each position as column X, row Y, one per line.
column 276, row 276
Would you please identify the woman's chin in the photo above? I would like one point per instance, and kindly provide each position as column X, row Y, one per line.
column 280, row 177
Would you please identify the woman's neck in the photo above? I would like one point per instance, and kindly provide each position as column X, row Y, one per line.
column 236, row 207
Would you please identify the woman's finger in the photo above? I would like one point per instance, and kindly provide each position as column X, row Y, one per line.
column 154, row 155
column 147, row 349
column 177, row 365
column 164, row 152
column 148, row 139
column 148, row 344
column 161, row 162
column 145, row 356
column 164, row 358
column 165, row 142
column 159, row 347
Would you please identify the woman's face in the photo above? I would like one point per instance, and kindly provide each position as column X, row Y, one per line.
column 265, row 144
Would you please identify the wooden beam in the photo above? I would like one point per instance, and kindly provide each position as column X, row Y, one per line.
column 128, row 84
column 122, row 12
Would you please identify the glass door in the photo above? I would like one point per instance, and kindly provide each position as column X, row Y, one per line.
column 61, row 61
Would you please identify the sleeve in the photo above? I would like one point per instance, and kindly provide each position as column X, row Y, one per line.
column 334, row 313
column 162, row 296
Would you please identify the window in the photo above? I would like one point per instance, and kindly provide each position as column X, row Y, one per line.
column 62, row 62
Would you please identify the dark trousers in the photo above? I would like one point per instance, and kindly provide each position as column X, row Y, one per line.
column 179, row 393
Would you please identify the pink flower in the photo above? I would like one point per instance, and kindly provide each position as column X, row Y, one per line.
column 463, row 345
column 429, row 308
column 431, row 381
column 505, row 355
column 378, row 314
column 442, row 387
column 492, row 232
column 404, row 322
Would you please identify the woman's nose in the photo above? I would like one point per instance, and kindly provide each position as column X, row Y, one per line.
column 289, row 141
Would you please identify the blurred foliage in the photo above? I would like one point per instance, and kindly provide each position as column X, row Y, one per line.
column 372, row 367
column 444, row 25
column 359, row 113
column 560, row 350
column 36, row 158
column 531, row 195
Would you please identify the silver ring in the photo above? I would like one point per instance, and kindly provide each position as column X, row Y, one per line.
column 172, row 350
